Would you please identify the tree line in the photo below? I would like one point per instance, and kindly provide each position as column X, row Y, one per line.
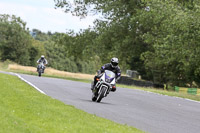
column 159, row 39
column 64, row 51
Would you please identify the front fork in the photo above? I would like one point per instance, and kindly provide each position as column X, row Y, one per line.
column 98, row 85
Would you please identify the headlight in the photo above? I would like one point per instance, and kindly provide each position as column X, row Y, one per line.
column 108, row 80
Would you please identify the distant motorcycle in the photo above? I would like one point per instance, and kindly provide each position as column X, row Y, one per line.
column 40, row 69
column 104, row 85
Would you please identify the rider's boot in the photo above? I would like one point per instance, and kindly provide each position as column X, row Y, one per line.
column 113, row 89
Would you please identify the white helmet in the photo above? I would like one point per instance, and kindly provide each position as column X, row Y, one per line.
column 114, row 62
column 42, row 56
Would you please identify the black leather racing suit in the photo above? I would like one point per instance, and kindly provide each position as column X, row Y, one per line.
column 108, row 66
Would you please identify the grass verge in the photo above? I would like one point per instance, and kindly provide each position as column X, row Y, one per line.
column 164, row 92
column 51, row 71
column 51, row 76
column 24, row 110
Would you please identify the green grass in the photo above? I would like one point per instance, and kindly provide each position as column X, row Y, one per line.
column 164, row 92
column 25, row 110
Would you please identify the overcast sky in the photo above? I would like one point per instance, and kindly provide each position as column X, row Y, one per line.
column 42, row 15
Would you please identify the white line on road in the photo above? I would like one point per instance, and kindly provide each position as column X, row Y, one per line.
column 28, row 83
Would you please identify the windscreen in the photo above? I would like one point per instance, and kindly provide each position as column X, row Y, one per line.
column 109, row 74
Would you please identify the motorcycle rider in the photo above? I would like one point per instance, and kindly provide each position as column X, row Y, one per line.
column 42, row 60
column 112, row 66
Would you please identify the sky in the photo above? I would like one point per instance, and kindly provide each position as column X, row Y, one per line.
column 42, row 15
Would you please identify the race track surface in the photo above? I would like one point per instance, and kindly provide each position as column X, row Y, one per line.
column 149, row 112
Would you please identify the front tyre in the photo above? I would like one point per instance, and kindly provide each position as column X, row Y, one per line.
column 39, row 74
column 94, row 98
column 101, row 94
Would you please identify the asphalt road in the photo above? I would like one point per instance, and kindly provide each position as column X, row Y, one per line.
column 149, row 112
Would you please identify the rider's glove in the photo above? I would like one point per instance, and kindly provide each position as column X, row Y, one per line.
column 99, row 72
column 117, row 79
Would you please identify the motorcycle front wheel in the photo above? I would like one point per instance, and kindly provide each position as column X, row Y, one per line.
column 39, row 73
column 101, row 94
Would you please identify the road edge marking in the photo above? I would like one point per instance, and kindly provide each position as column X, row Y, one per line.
column 29, row 83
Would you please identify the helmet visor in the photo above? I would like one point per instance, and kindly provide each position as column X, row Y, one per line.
column 114, row 63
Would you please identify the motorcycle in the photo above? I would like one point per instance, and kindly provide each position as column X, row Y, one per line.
column 40, row 69
column 104, row 85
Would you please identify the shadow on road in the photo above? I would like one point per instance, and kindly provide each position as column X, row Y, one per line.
column 87, row 100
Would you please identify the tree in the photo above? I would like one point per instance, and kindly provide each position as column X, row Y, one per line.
column 116, row 35
column 174, row 37
column 15, row 41
column 152, row 36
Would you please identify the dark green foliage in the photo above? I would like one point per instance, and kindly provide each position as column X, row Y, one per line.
column 33, row 54
column 160, row 39
column 175, row 41
column 70, row 53
column 40, row 36
column 15, row 41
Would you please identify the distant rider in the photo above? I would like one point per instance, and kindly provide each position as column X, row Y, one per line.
column 42, row 60
column 112, row 66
